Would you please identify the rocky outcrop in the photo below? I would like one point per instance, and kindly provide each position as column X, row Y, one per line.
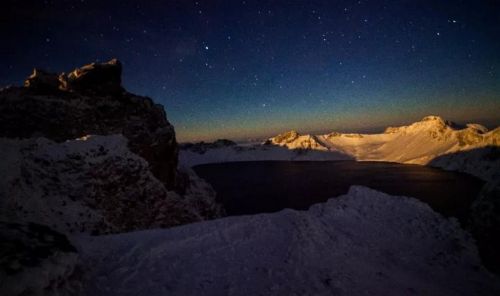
column 94, row 79
column 93, row 185
column 90, row 100
column 42, row 82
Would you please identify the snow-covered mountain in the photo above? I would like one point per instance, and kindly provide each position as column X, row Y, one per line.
column 417, row 143
column 431, row 141
column 293, row 140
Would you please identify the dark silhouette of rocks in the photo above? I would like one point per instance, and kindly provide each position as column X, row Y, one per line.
column 94, row 79
column 42, row 82
column 90, row 100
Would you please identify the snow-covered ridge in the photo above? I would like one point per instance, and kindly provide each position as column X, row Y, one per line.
column 365, row 241
column 431, row 141
column 418, row 143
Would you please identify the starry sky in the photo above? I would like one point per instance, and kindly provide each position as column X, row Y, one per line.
column 250, row 69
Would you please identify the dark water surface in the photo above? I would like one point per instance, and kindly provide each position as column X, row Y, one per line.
column 269, row 186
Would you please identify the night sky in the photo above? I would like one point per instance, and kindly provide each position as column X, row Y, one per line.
column 251, row 69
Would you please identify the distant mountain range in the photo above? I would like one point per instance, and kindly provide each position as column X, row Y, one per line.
column 431, row 141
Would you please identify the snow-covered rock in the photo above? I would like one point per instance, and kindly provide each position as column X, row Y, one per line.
column 94, row 184
column 365, row 242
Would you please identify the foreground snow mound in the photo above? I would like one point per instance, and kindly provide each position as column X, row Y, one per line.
column 94, row 185
column 364, row 242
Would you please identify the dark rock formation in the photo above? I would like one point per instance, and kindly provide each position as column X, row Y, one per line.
column 42, row 82
column 90, row 100
column 484, row 225
column 35, row 260
column 95, row 78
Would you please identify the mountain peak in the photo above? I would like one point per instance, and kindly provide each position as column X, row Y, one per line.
column 433, row 118
column 286, row 137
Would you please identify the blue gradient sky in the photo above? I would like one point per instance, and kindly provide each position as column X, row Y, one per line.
column 251, row 69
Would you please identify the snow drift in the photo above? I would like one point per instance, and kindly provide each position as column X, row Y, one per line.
column 363, row 242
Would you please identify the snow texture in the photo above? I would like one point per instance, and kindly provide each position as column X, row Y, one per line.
column 364, row 242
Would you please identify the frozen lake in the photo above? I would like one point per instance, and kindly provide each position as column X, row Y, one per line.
column 269, row 186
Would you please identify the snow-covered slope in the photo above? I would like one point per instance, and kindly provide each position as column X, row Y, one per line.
column 92, row 184
column 365, row 242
